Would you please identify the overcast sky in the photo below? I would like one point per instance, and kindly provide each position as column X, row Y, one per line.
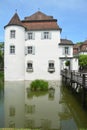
column 71, row 15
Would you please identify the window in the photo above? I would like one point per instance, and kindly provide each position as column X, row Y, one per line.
column 31, row 35
column 51, row 66
column 29, row 66
column 46, row 35
column 12, row 49
column 66, row 50
column 30, row 50
column 12, row 34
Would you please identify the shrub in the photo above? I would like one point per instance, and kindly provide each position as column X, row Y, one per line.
column 39, row 85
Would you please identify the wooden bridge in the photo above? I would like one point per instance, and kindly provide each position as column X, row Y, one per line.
column 77, row 81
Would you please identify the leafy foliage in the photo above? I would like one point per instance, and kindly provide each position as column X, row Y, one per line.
column 67, row 63
column 83, row 60
column 39, row 85
column 1, row 55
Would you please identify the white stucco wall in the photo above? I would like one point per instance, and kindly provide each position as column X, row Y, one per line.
column 45, row 50
column 74, row 64
column 61, row 47
column 14, row 63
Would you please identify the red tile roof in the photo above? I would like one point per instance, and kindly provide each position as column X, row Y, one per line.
column 37, row 21
column 44, row 25
column 38, row 16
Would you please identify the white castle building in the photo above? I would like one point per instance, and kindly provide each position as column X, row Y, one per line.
column 34, row 49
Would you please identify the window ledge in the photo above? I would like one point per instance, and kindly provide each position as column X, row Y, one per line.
column 29, row 69
column 51, row 70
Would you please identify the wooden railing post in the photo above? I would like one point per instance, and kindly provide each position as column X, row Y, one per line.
column 83, row 91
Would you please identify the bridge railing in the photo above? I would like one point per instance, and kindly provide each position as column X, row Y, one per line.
column 78, row 77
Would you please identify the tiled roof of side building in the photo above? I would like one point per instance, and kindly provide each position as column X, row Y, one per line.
column 65, row 42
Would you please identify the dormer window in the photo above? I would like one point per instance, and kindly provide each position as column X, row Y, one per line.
column 12, row 34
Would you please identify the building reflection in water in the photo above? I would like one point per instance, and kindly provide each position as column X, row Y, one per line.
column 14, row 104
column 25, row 109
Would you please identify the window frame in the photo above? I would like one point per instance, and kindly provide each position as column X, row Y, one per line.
column 66, row 50
column 12, row 49
column 51, row 66
column 29, row 49
column 29, row 66
column 12, row 34
column 30, row 35
column 46, row 35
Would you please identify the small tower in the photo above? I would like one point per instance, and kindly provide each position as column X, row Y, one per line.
column 14, row 49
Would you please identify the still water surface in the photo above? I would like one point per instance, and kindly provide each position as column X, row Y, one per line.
column 53, row 110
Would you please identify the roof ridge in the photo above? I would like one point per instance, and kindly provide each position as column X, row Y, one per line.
column 38, row 16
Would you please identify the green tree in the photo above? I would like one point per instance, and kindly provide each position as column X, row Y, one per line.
column 1, row 55
column 83, row 61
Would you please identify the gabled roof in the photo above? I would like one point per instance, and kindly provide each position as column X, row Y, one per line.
column 15, row 20
column 38, row 16
column 65, row 42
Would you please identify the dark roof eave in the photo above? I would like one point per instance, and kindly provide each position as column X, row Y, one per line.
column 52, row 20
column 44, row 29
column 65, row 57
column 63, row 44
column 13, row 25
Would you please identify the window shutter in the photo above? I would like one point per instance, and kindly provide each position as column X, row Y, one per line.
column 69, row 51
column 26, row 51
column 49, row 35
column 42, row 35
column 33, row 35
column 33, row 50
column 63, row 50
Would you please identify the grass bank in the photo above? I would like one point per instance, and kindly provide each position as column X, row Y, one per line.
column 1, row 75
column 1, row 79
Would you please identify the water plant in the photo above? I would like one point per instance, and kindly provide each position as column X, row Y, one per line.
column 39, row 85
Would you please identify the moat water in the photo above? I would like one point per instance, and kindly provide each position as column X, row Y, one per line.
column 53, row 110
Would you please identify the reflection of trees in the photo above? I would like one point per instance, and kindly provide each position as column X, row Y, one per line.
column 29, row 109
column 29, row 123
column 74, row 113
